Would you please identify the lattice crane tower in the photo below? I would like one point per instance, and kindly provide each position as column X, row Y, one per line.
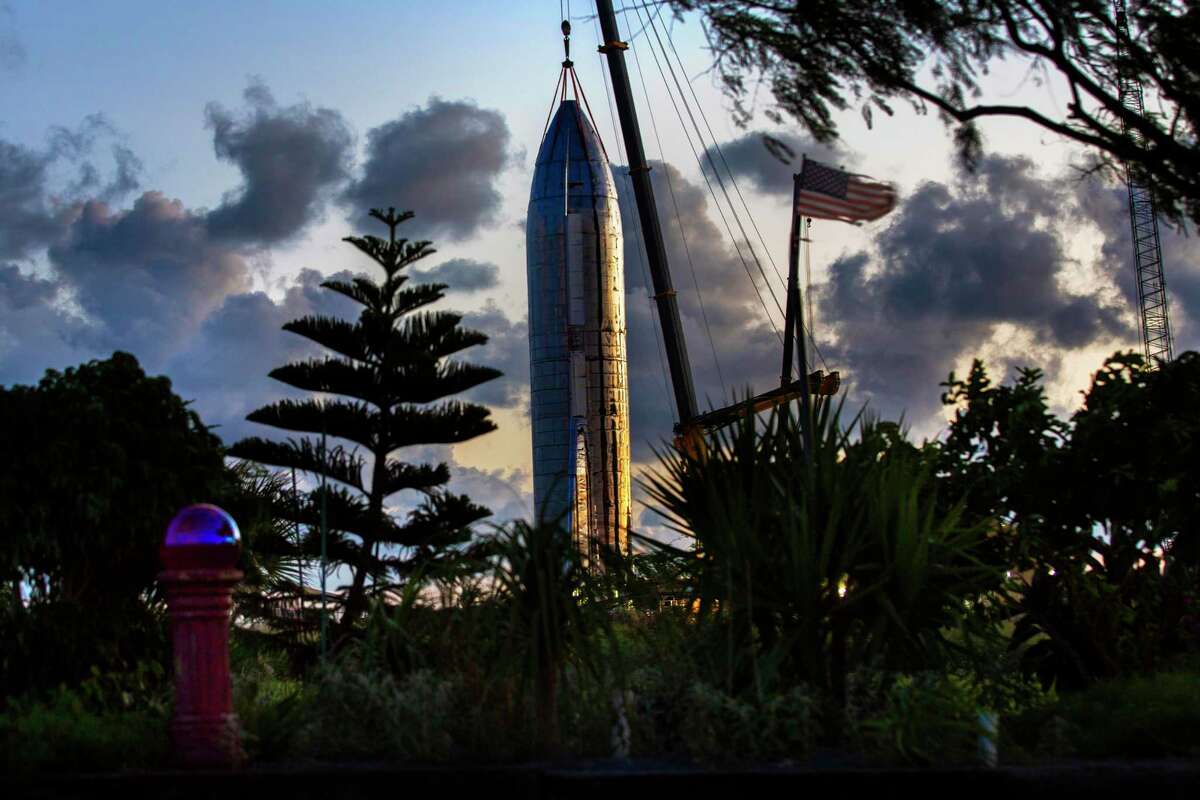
column 1143, row 219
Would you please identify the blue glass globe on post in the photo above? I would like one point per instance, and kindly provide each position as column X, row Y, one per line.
column 201, row 534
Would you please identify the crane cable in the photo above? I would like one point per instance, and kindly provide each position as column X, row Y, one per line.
column 712, row 193
column 809, row 323
column 721, row 154
column 679, row 219
column 711, row 163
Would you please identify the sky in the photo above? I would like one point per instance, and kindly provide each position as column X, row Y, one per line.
column 175, row 181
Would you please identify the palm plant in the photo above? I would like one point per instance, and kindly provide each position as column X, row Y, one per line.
column 271, row 596
column 818, row 563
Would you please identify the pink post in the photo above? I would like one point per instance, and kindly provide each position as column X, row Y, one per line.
column 199, row 554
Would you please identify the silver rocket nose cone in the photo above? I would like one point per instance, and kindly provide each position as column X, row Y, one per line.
column 571, row 160
column 579, row 389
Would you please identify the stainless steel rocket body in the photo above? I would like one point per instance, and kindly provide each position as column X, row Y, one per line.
column 579, row 382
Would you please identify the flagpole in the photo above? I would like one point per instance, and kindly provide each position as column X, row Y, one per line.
column 806, row 393
column 789, row 316
column 794, row 324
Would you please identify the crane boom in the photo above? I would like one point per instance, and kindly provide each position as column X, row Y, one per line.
column 643, row 193
column 1143, row 218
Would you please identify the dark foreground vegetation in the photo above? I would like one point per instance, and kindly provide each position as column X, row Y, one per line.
column 872, row 602
column 1024, row 580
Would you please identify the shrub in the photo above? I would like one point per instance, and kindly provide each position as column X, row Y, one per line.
column 1140, row 717
column 269, row 705
column 718, row 727
column 111, row 721
column 819, row 563
column 359, row 715
column 926, row 719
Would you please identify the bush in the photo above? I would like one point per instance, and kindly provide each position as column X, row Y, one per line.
column 926, row 719
column 111, row 721
column 718, row 727
column 50, row 644
column 269, row 704
column 359, row 715
column 1143, row 717
column 818, row 563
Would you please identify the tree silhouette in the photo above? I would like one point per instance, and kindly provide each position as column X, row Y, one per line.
column 819, row 58
column 97, row 459
column 392, row 371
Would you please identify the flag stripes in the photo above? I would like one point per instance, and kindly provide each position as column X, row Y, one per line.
column 823, row 192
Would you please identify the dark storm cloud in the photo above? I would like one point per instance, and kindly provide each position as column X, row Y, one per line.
column 763, row 158
column 955, row 263
column 18, row 290
column 32, row 215
column 746, row 347
column 461, row 275
column 1183, row 290
column 224, row 366
column 507, row 350
column 291, row 158
column 36, row 332
column 27, row 221
column 149, row 275
column 440, row 161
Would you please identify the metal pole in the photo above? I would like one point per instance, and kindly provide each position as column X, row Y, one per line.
column 656, row 254
column 789, row 317
column 324, row 531
column 300, row 559
column 799, row 235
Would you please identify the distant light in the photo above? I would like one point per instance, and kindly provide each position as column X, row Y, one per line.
column 202, row 524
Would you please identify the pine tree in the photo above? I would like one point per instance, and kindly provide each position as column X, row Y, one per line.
column 392, row 372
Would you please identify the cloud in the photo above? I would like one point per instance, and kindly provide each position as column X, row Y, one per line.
column 171, row 284
column 228, row 379
column 27, row 220
column 956, row 263
column 19, row 290
column 753, row 156
column 223, row 367
column 36, row 331
column 442, row 162
column 461, row 275
column 291, row 159
column 747, row 350
column 149, row 275
column 507, row 350
column 32, row 214
column 75, row 146
column 499, row 490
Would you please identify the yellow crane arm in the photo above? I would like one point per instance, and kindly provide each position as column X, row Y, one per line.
column 689, row 437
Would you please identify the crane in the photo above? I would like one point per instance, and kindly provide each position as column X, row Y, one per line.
column 1143, row 217
column 692, row 424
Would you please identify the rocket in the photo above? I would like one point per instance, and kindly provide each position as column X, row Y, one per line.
column 578, row 378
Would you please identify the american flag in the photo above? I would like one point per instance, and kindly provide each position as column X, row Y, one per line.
column 827, row 193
